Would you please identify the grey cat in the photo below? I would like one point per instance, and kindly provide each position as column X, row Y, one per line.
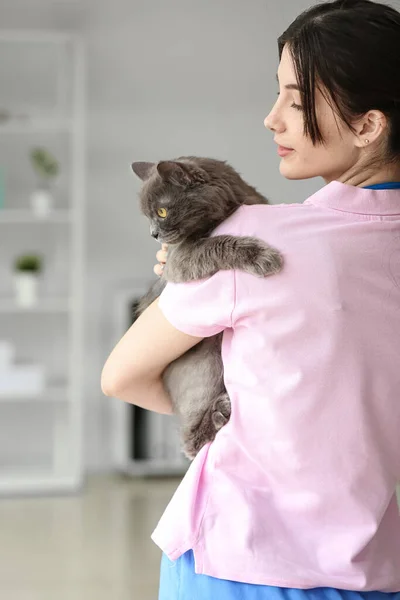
column 185, row 199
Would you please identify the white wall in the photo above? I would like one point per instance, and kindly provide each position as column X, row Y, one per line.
column 165, row 78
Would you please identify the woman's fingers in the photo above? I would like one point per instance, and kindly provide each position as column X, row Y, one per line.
column 162, row 259
column 158, row 269
column 162, row 254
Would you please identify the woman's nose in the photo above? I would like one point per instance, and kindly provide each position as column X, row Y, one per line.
column 267, row 123
column 273, row 122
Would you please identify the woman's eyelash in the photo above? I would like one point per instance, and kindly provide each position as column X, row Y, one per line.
column 294, row 105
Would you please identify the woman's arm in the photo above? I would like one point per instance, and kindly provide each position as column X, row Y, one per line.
column 133, row 371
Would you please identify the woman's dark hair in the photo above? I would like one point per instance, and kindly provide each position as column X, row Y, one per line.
column 350, row 49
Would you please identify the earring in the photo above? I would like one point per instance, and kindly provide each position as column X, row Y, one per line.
column 367, row 141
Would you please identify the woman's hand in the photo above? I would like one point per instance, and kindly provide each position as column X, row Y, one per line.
column 162, row 259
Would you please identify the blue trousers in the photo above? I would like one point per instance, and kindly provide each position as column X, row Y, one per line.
column 178, row 581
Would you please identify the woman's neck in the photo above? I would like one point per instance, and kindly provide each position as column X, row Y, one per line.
column 371, row 176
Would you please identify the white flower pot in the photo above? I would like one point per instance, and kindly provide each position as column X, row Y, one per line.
column 42, row 202
column 26, row 285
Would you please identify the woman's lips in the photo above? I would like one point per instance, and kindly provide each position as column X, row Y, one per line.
column 282, row 151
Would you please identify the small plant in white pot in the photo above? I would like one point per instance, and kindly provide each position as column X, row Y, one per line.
column 27, row 269
column 46, row 168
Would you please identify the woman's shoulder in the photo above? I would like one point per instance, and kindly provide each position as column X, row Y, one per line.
column 247, row 215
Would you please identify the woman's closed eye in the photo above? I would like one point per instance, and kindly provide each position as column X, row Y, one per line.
column 293, row 105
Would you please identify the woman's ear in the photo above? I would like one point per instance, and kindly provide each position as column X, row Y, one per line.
column 370, row 128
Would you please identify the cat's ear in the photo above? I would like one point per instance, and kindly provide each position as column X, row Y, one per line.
column 142, row 169
column 173, row 172
column 181, row 174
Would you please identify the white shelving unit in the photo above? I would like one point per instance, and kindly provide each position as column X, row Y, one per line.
column 63, row 399
column 37, row 124
column 25, row 216
column 162, row 455
column 50, row 305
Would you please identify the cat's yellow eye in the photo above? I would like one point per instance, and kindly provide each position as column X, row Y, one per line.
column 162, row 212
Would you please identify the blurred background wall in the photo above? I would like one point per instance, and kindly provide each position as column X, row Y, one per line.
column 164, row 78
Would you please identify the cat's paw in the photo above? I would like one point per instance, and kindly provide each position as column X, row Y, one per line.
column 266, row 261
column 214, row 418
column 221, row 412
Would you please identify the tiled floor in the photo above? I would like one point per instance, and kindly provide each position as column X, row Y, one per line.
column 94, row 546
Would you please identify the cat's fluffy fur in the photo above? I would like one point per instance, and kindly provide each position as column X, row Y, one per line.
column 195, row 195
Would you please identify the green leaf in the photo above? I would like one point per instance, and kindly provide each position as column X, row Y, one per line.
column 28, row 262
column 44, row 163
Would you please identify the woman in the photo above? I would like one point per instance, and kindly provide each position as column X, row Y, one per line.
column 296, row 495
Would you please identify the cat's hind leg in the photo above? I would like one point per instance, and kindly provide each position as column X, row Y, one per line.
column 221, row 411
column 212, row 420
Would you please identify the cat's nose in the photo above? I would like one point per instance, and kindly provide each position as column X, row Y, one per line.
column 154, row 232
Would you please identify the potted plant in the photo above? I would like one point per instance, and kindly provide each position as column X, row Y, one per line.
column 27, row 269
column 46, row 168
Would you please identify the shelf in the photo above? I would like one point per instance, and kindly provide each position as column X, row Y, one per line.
column 55, row 394
column 35, row 125
column 37, row 36
column 45, row 305
column 8, row 216
column 25, row 121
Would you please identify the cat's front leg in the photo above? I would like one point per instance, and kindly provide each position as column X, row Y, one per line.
column 203, row 258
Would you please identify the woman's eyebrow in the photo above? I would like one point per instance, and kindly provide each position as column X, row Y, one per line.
column 289, row 86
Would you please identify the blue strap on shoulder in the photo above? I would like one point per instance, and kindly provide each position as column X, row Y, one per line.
column 390, row 185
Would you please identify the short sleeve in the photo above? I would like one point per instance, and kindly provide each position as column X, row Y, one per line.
column 200, row 308
column 204, row 308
